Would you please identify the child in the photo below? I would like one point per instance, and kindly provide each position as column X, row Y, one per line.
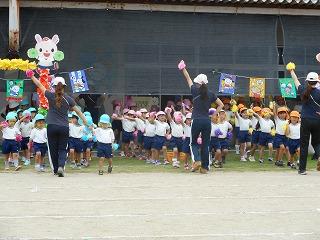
column 293, row 134
column 215, row 147
column 33, row 113
column 280, row 139
column 162, row 131
column 140, row 121
column 105, row 139
column 38, row 138
column 75, row 143
column 227, row 109
column 25, row 126
column 236, row 130
column 255, row 133
column 226, row 129
column 177, row 134
column 10, row 145
column 265, row 138
column 186, row 141
column 244, row 136
column 148, row 138
column 87, row 141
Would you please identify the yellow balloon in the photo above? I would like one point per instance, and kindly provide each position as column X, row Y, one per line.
column 290, row 66
column 273, row 132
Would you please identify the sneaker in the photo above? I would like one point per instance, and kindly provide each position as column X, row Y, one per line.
column 303, row 172
column 37, row 168
column 293, row 166
column 203, row 170
column 261, row 160
column 243, row 159
column 217, row 164
column 196, row 166
column 157, row 162
column 122, row 154
column 26, row 162
column 166, row 162
column 186, row 166
column 270, row 159
column 60, row 172
column 109, row 169
column 279, row 163
column 318, row 165
column 42, row 169
column 17, row 168
column 176, row 164
column 100, row 172
column 252, row 159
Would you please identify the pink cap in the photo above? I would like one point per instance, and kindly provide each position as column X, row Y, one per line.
column 189, row 115
column 152, row 114
column 160, row 113
column 143, row 110
column 125, row 110
column 132, row 112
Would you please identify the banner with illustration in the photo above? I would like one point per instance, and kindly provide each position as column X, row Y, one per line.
column 287, row 88
column 78, row 81
column 14, row 90
column 257, row 87
column 227, row 83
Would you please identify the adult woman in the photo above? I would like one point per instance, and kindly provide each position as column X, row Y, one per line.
column 202, row 99
column 57, row 122
column 310, row 117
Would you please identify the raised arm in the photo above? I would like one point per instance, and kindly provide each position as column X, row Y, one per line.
column 220, row 105
column 38, row 84
column 295, row 78
column 187, row 77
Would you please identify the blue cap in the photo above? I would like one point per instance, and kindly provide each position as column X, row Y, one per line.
column 11, row 116
column 104, row 118
column 39, row 117
column 32, row 109
column 89, row 120
column 24, row 102
column 19, row 110
column 74, row 114
column 69, row 115
column 87, row 113
column 26, row 113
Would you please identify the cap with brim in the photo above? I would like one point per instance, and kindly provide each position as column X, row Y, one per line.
column 143, row 110
column 282, row 109
column 201, row 79
column 104, row 119
column 11, row 116
column 132, row 112
column 243, row 109
column 256, row 109
column 312, row 77
column 39, row 117
column 160, row 113
column 189, row 115
column 32, row 109
column 24, row 102
column 295, row 114
column 57, row 80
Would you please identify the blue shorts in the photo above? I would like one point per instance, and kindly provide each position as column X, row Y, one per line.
column 279, row 140
column 10, row 146
column 87, row 145
column 40, row 147
column 186, row 146
column 255, row 137
column 76, row 144
column 148, row 142
column 244, row 137
column 214, row 143
column 127, row 137
column 104, row 150
column 293, row 145
column 236, row 132
column 224, row 144
column 176, row 142
column 140, row 137
column 158, row 142
column 265, row 139
column 24, row 143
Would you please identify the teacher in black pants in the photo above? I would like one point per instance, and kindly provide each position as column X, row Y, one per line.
column 201, row 123
column 57, row 122
column 310, row 117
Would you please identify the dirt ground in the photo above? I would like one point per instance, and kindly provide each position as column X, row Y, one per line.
column 232, row 205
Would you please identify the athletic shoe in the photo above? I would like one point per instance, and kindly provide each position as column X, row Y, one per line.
column 166, row 162
column 261, row 160
column 303, row 172
column 270, row 159
column 252, row 159
column 279, row 163
column 203, row 170
column 60, row 172
column 122, row 154
column 217, row 164
column 26, row 162
column 318, row 165
column 293, row 166
column 243, row 159
column 100, row 172
column 157, row 162
column 109, row 169
column 186, row 166
column 176, row 164
column 196, row 166
column 17, row 168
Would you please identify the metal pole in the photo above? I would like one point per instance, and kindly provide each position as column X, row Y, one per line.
column 14, row 25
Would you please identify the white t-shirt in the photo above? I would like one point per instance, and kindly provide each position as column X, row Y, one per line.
column 280, row 126
column 266, row 125
column 161, row 128
column 140, row 124
column 225, row 127
column 244, row 123
column 26, row 128
column 254, row 122
column 75, row 131
column 187, row 131
column 128, row 125
column 176, row 129
column 150, row 130
column 10, row 133
column 104, row 135
column 214, row 127
column 39, row 135
column 294, row 131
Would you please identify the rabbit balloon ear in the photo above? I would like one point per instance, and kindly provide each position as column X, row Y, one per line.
column 55, row 39
column 38, row 38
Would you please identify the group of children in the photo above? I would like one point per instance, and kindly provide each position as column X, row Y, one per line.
column 146, row 135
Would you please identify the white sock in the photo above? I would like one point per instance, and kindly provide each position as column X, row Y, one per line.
column 237, row 148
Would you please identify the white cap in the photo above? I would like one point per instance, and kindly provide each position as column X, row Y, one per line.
column 143, row 110
column 57, row 80
column 160, row 113
column 132, row 112
column 312, row 77
column 201, row 79
column 189, row 115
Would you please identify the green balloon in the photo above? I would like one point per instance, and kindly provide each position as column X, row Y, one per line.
column 58, row 56
column 32, row 53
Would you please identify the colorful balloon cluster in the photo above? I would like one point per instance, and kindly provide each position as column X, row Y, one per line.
column 16, row 64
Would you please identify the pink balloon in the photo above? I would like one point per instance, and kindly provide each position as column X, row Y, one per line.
column 29, row 73
column 318, row 57
column 181, row 65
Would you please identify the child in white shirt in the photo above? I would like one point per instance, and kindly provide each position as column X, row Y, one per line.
column 293, row 134
column 148, row 137
column 226, row 130
column 215, row 147
column 162, row 132
column 244, row 135
column 75, row 143
column 185, row 155
column 141, row 125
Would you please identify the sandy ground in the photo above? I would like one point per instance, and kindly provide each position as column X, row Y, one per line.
column 233, row 205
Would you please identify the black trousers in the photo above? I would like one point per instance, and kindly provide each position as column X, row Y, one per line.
column 57, row 143
column 308, row 127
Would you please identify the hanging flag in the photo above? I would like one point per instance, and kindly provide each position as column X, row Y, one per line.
column 78, row 81
column 15, row 90
column 287, row 88
column 227, row 83
column 257, row 87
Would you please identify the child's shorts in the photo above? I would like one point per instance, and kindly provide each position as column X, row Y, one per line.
column 293, row 145
column 87, row 145
column 255, row 137
column 279, row 140
column 76, row 144
column 147, row 142
column 224, row 144
column 158, row 142
column 244, row 137
column 186, row 146
column 265, row 139
column 140, row 137
column 176, row 142
column 24, row 143
column 236, row 132
column 10, row 146
column 127, row 137
column 104, row 150
column 40, row 147
column 214, row 143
